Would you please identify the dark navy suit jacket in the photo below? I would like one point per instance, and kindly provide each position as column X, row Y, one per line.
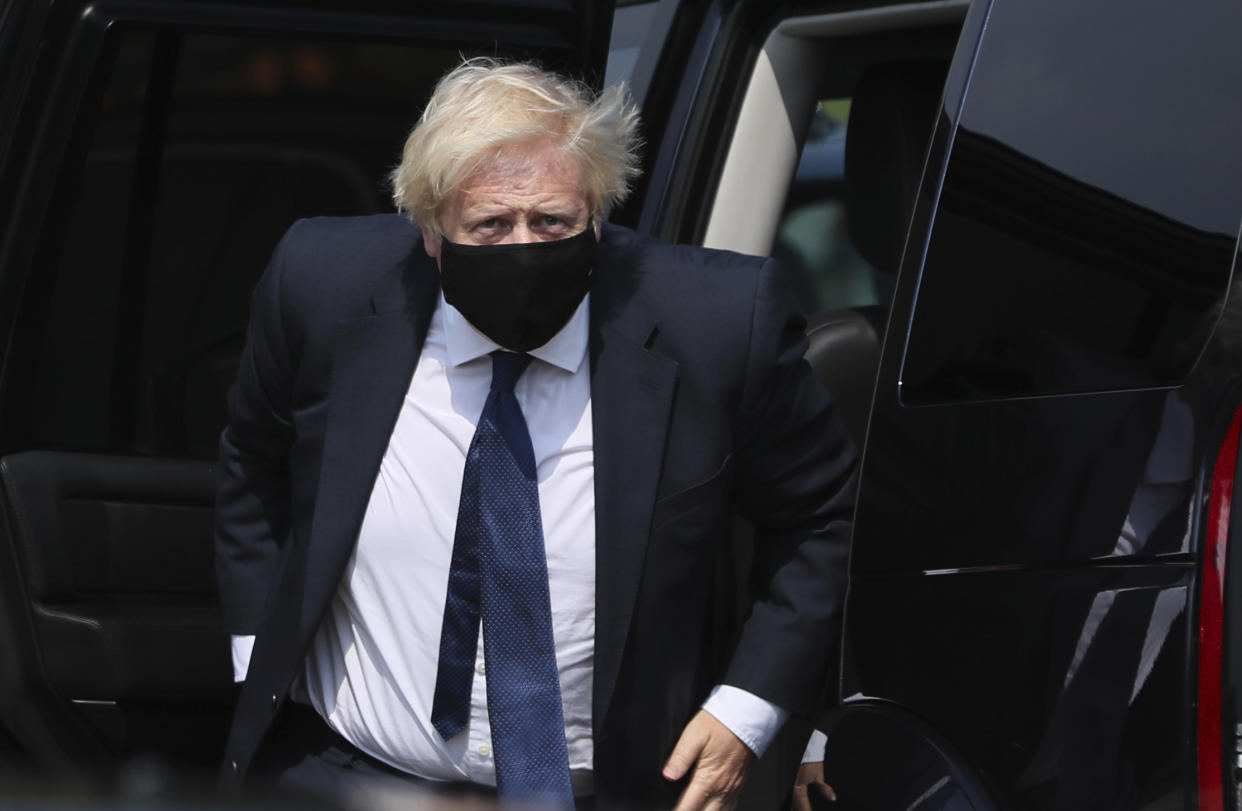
column 702, row 407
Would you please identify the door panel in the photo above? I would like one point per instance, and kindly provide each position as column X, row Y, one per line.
column 1059, row 356
column 114, row 559
column 152, row 155
column 117, row 561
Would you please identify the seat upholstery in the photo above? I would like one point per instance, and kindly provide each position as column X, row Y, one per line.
column 891, row 120
column 109, row 595
column 844, row 353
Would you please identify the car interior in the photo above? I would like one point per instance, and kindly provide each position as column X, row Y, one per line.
column 831, row 198
column 822, row 171
column 195, row 153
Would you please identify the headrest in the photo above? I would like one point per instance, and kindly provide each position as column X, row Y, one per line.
column 843, row 350
column 890, row 125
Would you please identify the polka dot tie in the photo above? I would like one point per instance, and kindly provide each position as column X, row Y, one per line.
column 500, row 570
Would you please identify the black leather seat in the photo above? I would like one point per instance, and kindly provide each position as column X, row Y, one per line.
column 844, row 352
column 109, row 623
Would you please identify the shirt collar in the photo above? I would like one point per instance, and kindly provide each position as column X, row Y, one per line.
column 566, row 350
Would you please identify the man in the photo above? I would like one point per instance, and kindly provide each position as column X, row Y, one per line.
column 477, row 471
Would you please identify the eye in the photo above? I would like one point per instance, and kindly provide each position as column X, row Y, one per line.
column 549, row 221
column 489, row 223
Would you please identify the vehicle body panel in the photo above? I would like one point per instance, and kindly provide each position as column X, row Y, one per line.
column 1058, row 373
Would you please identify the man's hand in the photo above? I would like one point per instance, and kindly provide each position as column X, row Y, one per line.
column 720, row 761
column 810, row 779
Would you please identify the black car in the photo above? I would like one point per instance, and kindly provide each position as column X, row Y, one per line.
column 1014, row 227
column 1041, row 611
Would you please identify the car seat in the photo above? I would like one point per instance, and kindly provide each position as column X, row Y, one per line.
column 890, row 125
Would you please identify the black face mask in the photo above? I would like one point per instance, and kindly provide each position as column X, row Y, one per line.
column 518, row 295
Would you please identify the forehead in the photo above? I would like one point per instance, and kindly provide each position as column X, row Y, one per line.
column 524, row 173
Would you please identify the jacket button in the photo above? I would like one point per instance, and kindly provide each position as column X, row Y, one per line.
column 275, row 702
column 233, row 766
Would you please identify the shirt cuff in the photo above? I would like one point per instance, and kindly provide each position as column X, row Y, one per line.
column 754, row 720
column 242, row 646
column 815, row 747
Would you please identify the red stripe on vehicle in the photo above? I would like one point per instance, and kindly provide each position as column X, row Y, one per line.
column 1212, row 621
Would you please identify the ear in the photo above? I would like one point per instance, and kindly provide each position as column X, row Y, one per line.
column 431, row 243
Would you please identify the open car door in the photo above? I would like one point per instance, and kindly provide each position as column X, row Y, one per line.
column 151, row 154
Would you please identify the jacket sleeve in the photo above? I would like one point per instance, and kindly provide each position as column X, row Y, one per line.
column 252, row 497
column 796, row 483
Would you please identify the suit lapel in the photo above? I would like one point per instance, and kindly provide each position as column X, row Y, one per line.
column 631, row 397
column 632, row 392
column 373, row 363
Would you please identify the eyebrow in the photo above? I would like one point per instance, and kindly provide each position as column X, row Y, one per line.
column 567, row 212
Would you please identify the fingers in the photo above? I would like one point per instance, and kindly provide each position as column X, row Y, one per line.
column 826, row 791
column 808, row 782
column 808, row 774
column 697, row 797
column 801, row 797
column 692, row 798
column 719, row 761
column 686, row 752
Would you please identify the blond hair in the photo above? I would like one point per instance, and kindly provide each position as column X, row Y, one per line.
column 484, row 104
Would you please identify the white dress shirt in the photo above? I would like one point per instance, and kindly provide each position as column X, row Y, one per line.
column 371, row 669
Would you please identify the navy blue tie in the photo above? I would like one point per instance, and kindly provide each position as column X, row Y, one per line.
column 500, row 569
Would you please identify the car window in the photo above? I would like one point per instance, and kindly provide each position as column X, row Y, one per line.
column 845, row 217
column 812, row 239
column 200, row 150
column 1087, row 226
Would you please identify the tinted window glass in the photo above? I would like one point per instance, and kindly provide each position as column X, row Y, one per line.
column 203, row 151
column 1086, row 229
column 812, row 239
column 74, row 309
column 848, row 210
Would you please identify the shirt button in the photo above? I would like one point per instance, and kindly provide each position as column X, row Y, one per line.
column 480, row 668
column 485, row 750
